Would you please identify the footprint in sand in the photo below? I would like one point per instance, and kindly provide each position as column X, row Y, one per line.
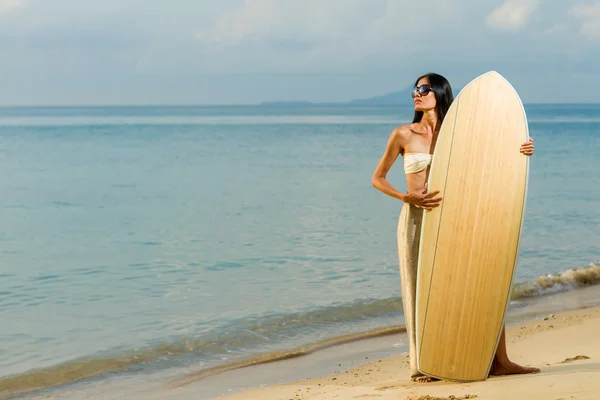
column 382, row 388
column 577, row 358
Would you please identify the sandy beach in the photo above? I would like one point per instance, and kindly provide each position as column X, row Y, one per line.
column 566, row 346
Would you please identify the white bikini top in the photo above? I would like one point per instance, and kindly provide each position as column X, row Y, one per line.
column 416, row 162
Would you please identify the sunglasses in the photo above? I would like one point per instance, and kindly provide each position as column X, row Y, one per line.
column 422, row 90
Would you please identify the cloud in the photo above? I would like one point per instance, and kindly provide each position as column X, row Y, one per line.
column 589, row 15
column 317, row 21
column 316, row 35
column 286, row 21
column 556, row 29
column 7, row 6
column 513, row 15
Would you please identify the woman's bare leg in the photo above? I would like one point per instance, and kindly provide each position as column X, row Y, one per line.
column 502, row 365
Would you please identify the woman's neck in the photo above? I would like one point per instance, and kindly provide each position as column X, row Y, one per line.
column 429, row 121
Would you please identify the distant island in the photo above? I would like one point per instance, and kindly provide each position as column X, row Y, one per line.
column 403, row 97
column 400, row 98
column 289, row 103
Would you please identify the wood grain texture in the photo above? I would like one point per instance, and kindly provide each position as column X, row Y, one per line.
column 470, row 244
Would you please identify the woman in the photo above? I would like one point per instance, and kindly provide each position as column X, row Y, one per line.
column 432, row 97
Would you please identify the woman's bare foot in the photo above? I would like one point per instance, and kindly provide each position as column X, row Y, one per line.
column 502, row 364
column 424, row 379
column 510, row 368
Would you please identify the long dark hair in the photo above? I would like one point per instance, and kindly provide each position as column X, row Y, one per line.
column 443, row 96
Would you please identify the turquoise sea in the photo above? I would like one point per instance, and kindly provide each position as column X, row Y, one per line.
column 145, row 239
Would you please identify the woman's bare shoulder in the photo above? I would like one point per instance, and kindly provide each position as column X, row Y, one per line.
column 403, row 132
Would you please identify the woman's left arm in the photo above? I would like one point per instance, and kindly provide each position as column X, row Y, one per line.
column 527, row 147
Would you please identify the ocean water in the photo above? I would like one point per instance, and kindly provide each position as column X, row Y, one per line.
column 137, row 239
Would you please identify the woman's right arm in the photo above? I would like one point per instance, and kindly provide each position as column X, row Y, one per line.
column 392, row 151
column 419, row 198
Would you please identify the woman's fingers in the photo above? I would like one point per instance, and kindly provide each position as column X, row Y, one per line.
column 428, row 201
column 430, row 204
column 431, row 194
column 432, row 199
column 527, row 150
column 527, row 147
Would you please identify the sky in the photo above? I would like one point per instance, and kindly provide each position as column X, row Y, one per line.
column 100, row 52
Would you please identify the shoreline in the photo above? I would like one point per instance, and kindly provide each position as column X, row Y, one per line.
column 529, row 299
column 325, row 362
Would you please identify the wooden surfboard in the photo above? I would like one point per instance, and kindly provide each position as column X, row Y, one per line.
column 470, row 243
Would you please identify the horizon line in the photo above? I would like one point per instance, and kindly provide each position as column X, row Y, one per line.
column 263, row 103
